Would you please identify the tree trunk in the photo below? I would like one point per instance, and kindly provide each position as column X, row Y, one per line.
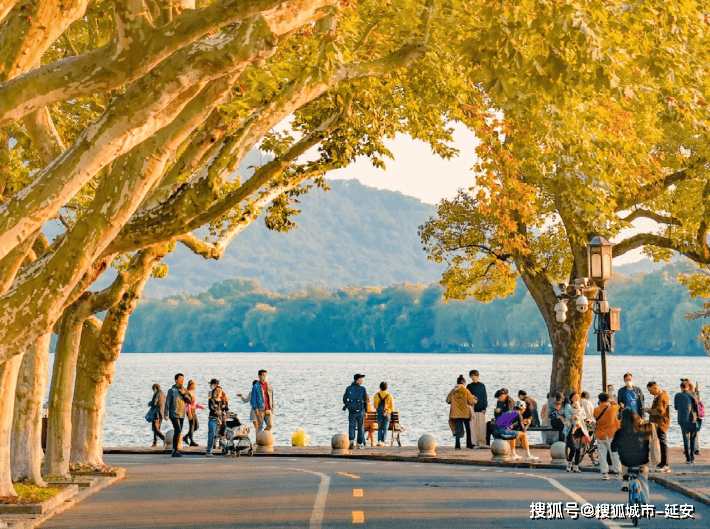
column 88, row 408
column 569, row 339
column 100, row 348
column 8, row 381
column 56, row 462
column 26, row 456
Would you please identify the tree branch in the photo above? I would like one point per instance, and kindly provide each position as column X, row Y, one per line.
column 650, row 239
column 111, row 66
column 45, row 138
column 648, row 214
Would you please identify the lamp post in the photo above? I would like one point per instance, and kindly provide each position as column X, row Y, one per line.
column 606, row 319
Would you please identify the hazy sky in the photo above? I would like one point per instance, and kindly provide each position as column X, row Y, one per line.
column 418, row 172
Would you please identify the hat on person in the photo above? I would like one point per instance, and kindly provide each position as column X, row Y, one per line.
column 214, row 382
column 520, row 405
column 498, row 393
column 358, row 376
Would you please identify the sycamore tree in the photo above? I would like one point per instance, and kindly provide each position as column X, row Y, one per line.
column 139, row 148
column 614, row 129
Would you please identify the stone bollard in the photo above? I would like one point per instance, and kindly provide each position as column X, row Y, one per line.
column 557, row 452
column 340, row 444
column 169, row 441
column 427, row 446
column 500, row 448
column 264, row 442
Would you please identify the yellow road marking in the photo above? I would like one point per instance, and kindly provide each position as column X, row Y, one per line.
column 357, row 493
column 351, row 476
column 358, row 517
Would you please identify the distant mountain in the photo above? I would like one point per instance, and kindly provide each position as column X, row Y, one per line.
column 644, row 266
column 350, row 235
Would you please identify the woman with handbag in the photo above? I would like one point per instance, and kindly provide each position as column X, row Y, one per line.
column 156, row 413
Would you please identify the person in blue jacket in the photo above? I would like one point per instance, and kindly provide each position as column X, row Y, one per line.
column 631, row 397
column 355, row 401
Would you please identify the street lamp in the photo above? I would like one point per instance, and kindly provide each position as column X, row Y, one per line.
column 606, row 319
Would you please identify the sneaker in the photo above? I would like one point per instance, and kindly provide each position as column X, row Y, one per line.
column 625, row 488
column 697, row 452
column 575, row 468
column 605, row 477
column 154, row 445
column 516, row 457
column 352, row 445
column 618, row 477
column 193, row 443
column 689, row 462
column 177, row 454
column 532, row 458
column 569, row 467
column 208, row 454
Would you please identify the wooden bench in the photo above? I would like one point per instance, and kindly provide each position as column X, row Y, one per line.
column 371, row 426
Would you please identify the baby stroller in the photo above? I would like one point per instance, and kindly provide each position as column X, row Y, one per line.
column 235, row 438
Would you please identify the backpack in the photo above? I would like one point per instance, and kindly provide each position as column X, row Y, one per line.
column 701, row 409
column 353, row 405
column 381, row 405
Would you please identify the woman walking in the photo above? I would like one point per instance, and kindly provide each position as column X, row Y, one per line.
column 252, row 416
column 157, row 411
column 191, row 411
column 461, row 401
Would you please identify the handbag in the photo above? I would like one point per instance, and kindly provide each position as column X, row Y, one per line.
column 655, row 447
column 452, row 425
column 152, row 414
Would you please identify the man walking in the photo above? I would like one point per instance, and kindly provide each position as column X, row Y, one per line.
column 687, row 408
column 478, row 421
column 607, row 419
column 659, row 414
column 355, row 401
column 262, row 402
column 175, row 407
column 631, row 397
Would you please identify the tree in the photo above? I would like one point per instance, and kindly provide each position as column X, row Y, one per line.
column 610, row 130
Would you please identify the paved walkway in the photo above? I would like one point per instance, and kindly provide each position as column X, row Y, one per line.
column 691, row 480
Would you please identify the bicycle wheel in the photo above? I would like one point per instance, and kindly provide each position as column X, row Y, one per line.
column 635, row 499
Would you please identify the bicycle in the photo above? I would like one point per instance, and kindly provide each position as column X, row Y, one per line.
column 635, row 494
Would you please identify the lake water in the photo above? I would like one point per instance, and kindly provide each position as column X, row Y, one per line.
column 308, row 388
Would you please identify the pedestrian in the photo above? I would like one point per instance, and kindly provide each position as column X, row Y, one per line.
column 701, row 416
column 659, row 414
column 587, row 406
column 632, row 443
column 574, row 442
column 612, row 394
column 630, row 396
column 384, row 404
column 461, row 402
column 687, row 406
column 213, row 384
column 556, row 416
column 175, row 403
column 217, row 411
column 478, row 421
column 191, row 412
column 355, row 401
column 607, row 417
column 262, row 402
column 575, row 414
column 252, row 415
column 530, row 415
column 157, row 409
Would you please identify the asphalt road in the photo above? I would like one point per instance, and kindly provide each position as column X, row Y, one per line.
column 197, row 492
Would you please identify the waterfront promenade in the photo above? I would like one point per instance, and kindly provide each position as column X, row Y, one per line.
column 378, row 487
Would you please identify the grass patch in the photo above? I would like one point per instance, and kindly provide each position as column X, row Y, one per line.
column 30, row 493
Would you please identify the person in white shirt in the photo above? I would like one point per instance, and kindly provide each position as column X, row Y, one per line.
column 587, row 406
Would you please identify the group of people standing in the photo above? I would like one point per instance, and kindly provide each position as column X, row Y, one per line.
column 357, row 402
column 180, row 403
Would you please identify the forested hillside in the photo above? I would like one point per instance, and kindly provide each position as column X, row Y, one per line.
column 238, row 315
column 350, row 235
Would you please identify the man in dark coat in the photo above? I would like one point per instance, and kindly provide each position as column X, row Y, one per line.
column 175, row 408
column 158, row 403
column 687, row 407
column 355, row 401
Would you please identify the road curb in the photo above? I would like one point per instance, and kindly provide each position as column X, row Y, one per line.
column 677, row 487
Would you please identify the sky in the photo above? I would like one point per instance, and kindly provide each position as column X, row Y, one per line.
column 418, row 172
